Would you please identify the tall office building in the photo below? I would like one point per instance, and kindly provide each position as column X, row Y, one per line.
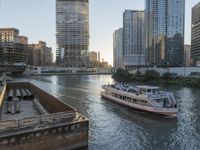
column 165, row 32
column 118, row 48
column 133, row 39
column 72, row 27
column 195, row 43
column 93, row 56
column 187, row 55
column 99, row 57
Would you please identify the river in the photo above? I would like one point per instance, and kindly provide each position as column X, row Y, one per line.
column 115, row 127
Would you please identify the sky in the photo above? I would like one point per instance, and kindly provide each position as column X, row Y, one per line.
column 36, row 20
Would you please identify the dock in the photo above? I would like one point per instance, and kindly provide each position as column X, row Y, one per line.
column 40, row 122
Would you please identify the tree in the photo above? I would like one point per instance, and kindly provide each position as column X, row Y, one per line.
column 151, row 75
column 122, row 75
column 166, row 76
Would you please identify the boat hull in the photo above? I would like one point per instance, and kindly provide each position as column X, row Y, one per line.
column 172, row 112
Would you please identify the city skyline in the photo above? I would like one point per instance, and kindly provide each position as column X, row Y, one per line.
column 37, row 21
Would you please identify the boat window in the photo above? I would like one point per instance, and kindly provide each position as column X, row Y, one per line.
column 148, row 90
column 143, row 91
column 159, row 100
column 134, row 100
column 154, row 91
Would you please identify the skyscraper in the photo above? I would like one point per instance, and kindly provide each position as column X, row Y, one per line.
column 72, row 27
column 118, row 48
column 99, row 57
column 165, row 32
column 133, row 39
column 195, row 52
column 93, row 56
column 187, row 55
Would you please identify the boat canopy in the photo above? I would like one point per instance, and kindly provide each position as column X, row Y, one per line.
column 147, row 89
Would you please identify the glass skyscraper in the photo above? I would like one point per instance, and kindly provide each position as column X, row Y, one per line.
column 118, row 48
column 195, row 43
column 133, row 39
column 165, row 32
column 72, row 27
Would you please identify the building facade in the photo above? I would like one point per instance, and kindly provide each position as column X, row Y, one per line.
column 99, row 57
column 72, row 27
column 40, row 54
column 22, row 40
column 118, row 48
column 195, row 43
column 13, row 48
column 165, row 32
column 187, row 55
column 133, row 39
column 93, row 56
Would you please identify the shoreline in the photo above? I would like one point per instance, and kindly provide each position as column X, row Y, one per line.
column 71, row 74
column 151, row 76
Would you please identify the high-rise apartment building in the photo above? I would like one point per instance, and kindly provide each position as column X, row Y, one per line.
column 195, row 43
column 22, row 40
column 93, row 56
column 133, row 39
column 165, row 32
column 118, row 48
column 13, row 48
column 72, row 27
column 40, row 54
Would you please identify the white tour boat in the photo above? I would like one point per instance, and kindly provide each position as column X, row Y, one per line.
column 144, row 98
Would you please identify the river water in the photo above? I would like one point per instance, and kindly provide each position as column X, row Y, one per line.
column 115, row 127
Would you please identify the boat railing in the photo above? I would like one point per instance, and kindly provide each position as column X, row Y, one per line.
column 174, row 99
column 153, row 96
column 153, row 103
column 171, row 101
column 171, row 98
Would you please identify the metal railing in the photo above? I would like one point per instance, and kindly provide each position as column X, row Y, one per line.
column 36, row 121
